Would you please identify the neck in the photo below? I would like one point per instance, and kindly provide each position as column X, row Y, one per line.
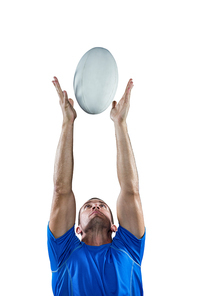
column 97, row 238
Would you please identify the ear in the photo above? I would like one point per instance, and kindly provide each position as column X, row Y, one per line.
column 78, row 230
column 114, row 228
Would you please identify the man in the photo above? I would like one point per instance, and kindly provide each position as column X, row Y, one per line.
column 96, row 265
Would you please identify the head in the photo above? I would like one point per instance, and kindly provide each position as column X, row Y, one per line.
column 84, row 216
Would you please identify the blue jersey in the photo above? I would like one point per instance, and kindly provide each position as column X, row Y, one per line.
column 110, row 269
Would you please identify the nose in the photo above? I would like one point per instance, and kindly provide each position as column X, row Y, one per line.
column 95, row 207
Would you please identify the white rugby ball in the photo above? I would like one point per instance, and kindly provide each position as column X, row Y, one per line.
column 96, row 80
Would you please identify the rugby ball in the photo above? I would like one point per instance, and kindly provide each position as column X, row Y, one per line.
column 96, row 80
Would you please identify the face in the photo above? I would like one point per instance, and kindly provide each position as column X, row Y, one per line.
column 95, row 211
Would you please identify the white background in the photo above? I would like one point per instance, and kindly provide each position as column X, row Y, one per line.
column 153, row 42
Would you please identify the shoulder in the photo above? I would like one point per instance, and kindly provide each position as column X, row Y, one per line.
column 125, row 241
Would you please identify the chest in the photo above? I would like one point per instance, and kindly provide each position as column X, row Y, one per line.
column 108, row 272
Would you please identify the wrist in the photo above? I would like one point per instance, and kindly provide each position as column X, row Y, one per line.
column 67, row 123
column 120, row 124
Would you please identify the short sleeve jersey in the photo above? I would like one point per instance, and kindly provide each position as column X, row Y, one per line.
column 110, row 269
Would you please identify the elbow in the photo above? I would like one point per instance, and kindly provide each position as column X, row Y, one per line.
column 62, row 189
column 132, row 188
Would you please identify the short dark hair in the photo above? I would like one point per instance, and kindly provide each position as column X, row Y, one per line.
column 112, row 218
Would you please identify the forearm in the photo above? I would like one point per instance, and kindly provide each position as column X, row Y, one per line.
column 126, row 166
column 64, row 162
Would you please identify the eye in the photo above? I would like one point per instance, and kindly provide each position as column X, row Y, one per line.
column 86, row 206
column 103, row 205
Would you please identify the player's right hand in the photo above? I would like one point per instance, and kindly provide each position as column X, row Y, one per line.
column 69, row 113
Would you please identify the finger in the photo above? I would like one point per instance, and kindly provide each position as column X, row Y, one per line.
column 71, row 102
column 65, row 96
column 114, row 104
column 58, row 87
column 128, row 89
column 129, row 85
column 56, row 82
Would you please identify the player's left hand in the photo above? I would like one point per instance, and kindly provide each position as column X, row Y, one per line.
column 119, row 111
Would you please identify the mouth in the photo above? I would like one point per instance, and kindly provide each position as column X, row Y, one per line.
column 95, row 212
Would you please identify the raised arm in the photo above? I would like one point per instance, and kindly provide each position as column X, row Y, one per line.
column 129, row 208
column 63, row 210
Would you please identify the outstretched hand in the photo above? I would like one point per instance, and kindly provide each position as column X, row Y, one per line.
column 69, row 113
column 119, row 111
